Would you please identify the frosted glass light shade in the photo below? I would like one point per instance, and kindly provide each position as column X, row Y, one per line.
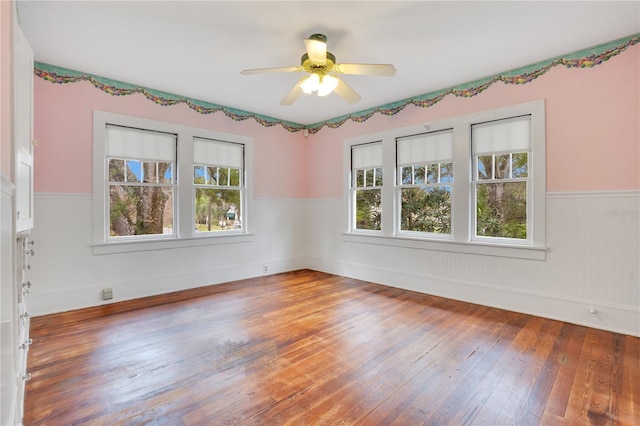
column 327, row 85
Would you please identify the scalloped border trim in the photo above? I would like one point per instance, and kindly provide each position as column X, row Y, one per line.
column 586, row 58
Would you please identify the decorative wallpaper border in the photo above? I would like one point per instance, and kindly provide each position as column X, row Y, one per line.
column 585, row 58
column 59, row 75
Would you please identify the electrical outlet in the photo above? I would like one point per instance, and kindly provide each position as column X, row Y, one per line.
column 107, row 293
column 265, row 269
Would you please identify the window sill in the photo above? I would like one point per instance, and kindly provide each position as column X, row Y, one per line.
column 114, row 247
column 484, row 249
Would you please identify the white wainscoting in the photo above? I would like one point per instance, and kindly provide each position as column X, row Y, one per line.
column 592, row 262
column 67, row 275
column 593, row 244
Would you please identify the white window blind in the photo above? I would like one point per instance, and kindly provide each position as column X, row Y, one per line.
column 136, row 144
column 434, row 147
column 217, row 153
column 512, row 135
column 367, row 155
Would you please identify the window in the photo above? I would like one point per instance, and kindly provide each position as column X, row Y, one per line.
column 160, row 185
column 141, row 181
column 218, row 185
column 501, row 177
column 425, row 179
column 366, row 185
column 470, row 184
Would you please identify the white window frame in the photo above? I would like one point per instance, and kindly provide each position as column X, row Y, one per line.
column 463, row 202
column 184, row 205
column 475, row 182
column 137, row 157
column 197, row 162
column 400, row 186
column 353, row 189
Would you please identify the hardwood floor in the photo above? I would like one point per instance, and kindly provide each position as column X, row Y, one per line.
column 311, row 348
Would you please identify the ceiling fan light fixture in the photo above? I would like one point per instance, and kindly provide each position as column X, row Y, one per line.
column 322, row 84
column 310, row 84
column 328, row 83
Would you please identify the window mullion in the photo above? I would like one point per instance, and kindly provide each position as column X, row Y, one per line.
column 389, row 213
column 463, row 185
column 493, row 167
column 510, row 165
column 185, row 190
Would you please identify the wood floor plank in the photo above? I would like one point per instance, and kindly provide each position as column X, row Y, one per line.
column 546, row 377
column 585, row 390
column 568, row 359
column 312, row 348
column 628, row 399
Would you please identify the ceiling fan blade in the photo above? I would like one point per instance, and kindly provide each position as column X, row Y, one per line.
column 271, row 70
column 317, row 51
column 346, row 93
column 293, row 94
column 365, row 69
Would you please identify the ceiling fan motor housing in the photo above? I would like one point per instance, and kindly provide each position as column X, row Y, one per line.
column 309, row 66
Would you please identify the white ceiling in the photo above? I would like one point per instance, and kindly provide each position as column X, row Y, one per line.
column 198, row 48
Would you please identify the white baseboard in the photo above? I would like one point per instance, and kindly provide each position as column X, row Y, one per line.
column 616, row 318
column 61, row 301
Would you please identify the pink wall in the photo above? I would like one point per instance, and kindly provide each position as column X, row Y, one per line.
column 593, row 127
column 63, row 116
column 6, row 164
column 593, row 132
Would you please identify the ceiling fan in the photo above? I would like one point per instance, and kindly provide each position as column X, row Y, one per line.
column 322, row 67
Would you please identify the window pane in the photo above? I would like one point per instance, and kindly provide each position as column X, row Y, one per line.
column 212, row 176
column 149, row 172
column 140, row 210
column 378, row 181
column 432, row 173
column 485, row 166
column 235, row 177
column 426, row 210
column 418, row 174
column 199, row 175
column 134, row 171
column 165, row 172
column 501, row 210
column 116, row 170
column 446, row 172
column 223, row 176
column 368, row 209
column 407, row 175
column 217, row 209
column 520, row 165
column 359, row 178
column 502, row 163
